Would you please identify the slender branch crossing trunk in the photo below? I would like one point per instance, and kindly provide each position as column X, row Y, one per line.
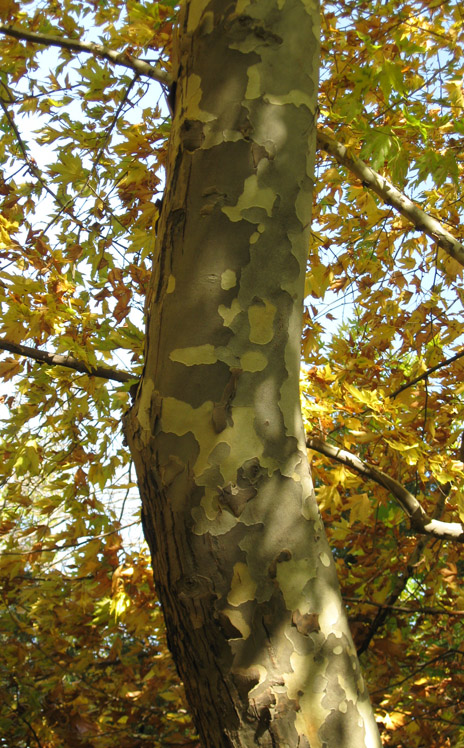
column 246, row 579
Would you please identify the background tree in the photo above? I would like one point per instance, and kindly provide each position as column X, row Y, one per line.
column 74, row 283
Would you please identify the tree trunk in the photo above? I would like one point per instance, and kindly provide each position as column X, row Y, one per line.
column 245, row 576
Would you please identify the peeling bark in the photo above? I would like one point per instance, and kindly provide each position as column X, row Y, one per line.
column 245, row 576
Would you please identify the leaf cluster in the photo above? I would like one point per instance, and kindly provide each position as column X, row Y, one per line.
column 384, row 306
column 84, row 658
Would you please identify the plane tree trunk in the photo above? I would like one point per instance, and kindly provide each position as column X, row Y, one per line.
column 245, row 576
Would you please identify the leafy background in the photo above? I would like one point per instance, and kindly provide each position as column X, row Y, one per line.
column 84, row 658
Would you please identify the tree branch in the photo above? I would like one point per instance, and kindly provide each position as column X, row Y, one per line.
column 389, row 194
column 65, row 208
column 426, row 374
column 420, row 520
column 73, row 45
column 423, row 610
column 399, row 585
column 401, row 581
column 34, row 170
column 32, row 166
column 56, row 359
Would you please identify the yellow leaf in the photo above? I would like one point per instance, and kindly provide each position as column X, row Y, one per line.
column 393, row 720
column 361, row 509
column 318, row 281
column 9, row 368
column 460, row 502
column 119, row 604
column 6, row 228
column 28, row 461
column 400, row 446
column 454, row 89
column 363, row 396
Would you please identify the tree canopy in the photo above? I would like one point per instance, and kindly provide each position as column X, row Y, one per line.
column 85, row 96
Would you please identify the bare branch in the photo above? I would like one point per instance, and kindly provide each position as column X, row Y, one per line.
column 389, row 194
column 98, row 50
column 56, row 359
column 420, row 520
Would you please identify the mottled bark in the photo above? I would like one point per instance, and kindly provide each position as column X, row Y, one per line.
column 245, row 576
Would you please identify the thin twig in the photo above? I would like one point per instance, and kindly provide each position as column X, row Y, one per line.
column 35, row 171
column 425, row 665
column 66, row 546
column 400, row 583
column 65, row 207
column 31, row 165
column 406, row 609
column 426, row 374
